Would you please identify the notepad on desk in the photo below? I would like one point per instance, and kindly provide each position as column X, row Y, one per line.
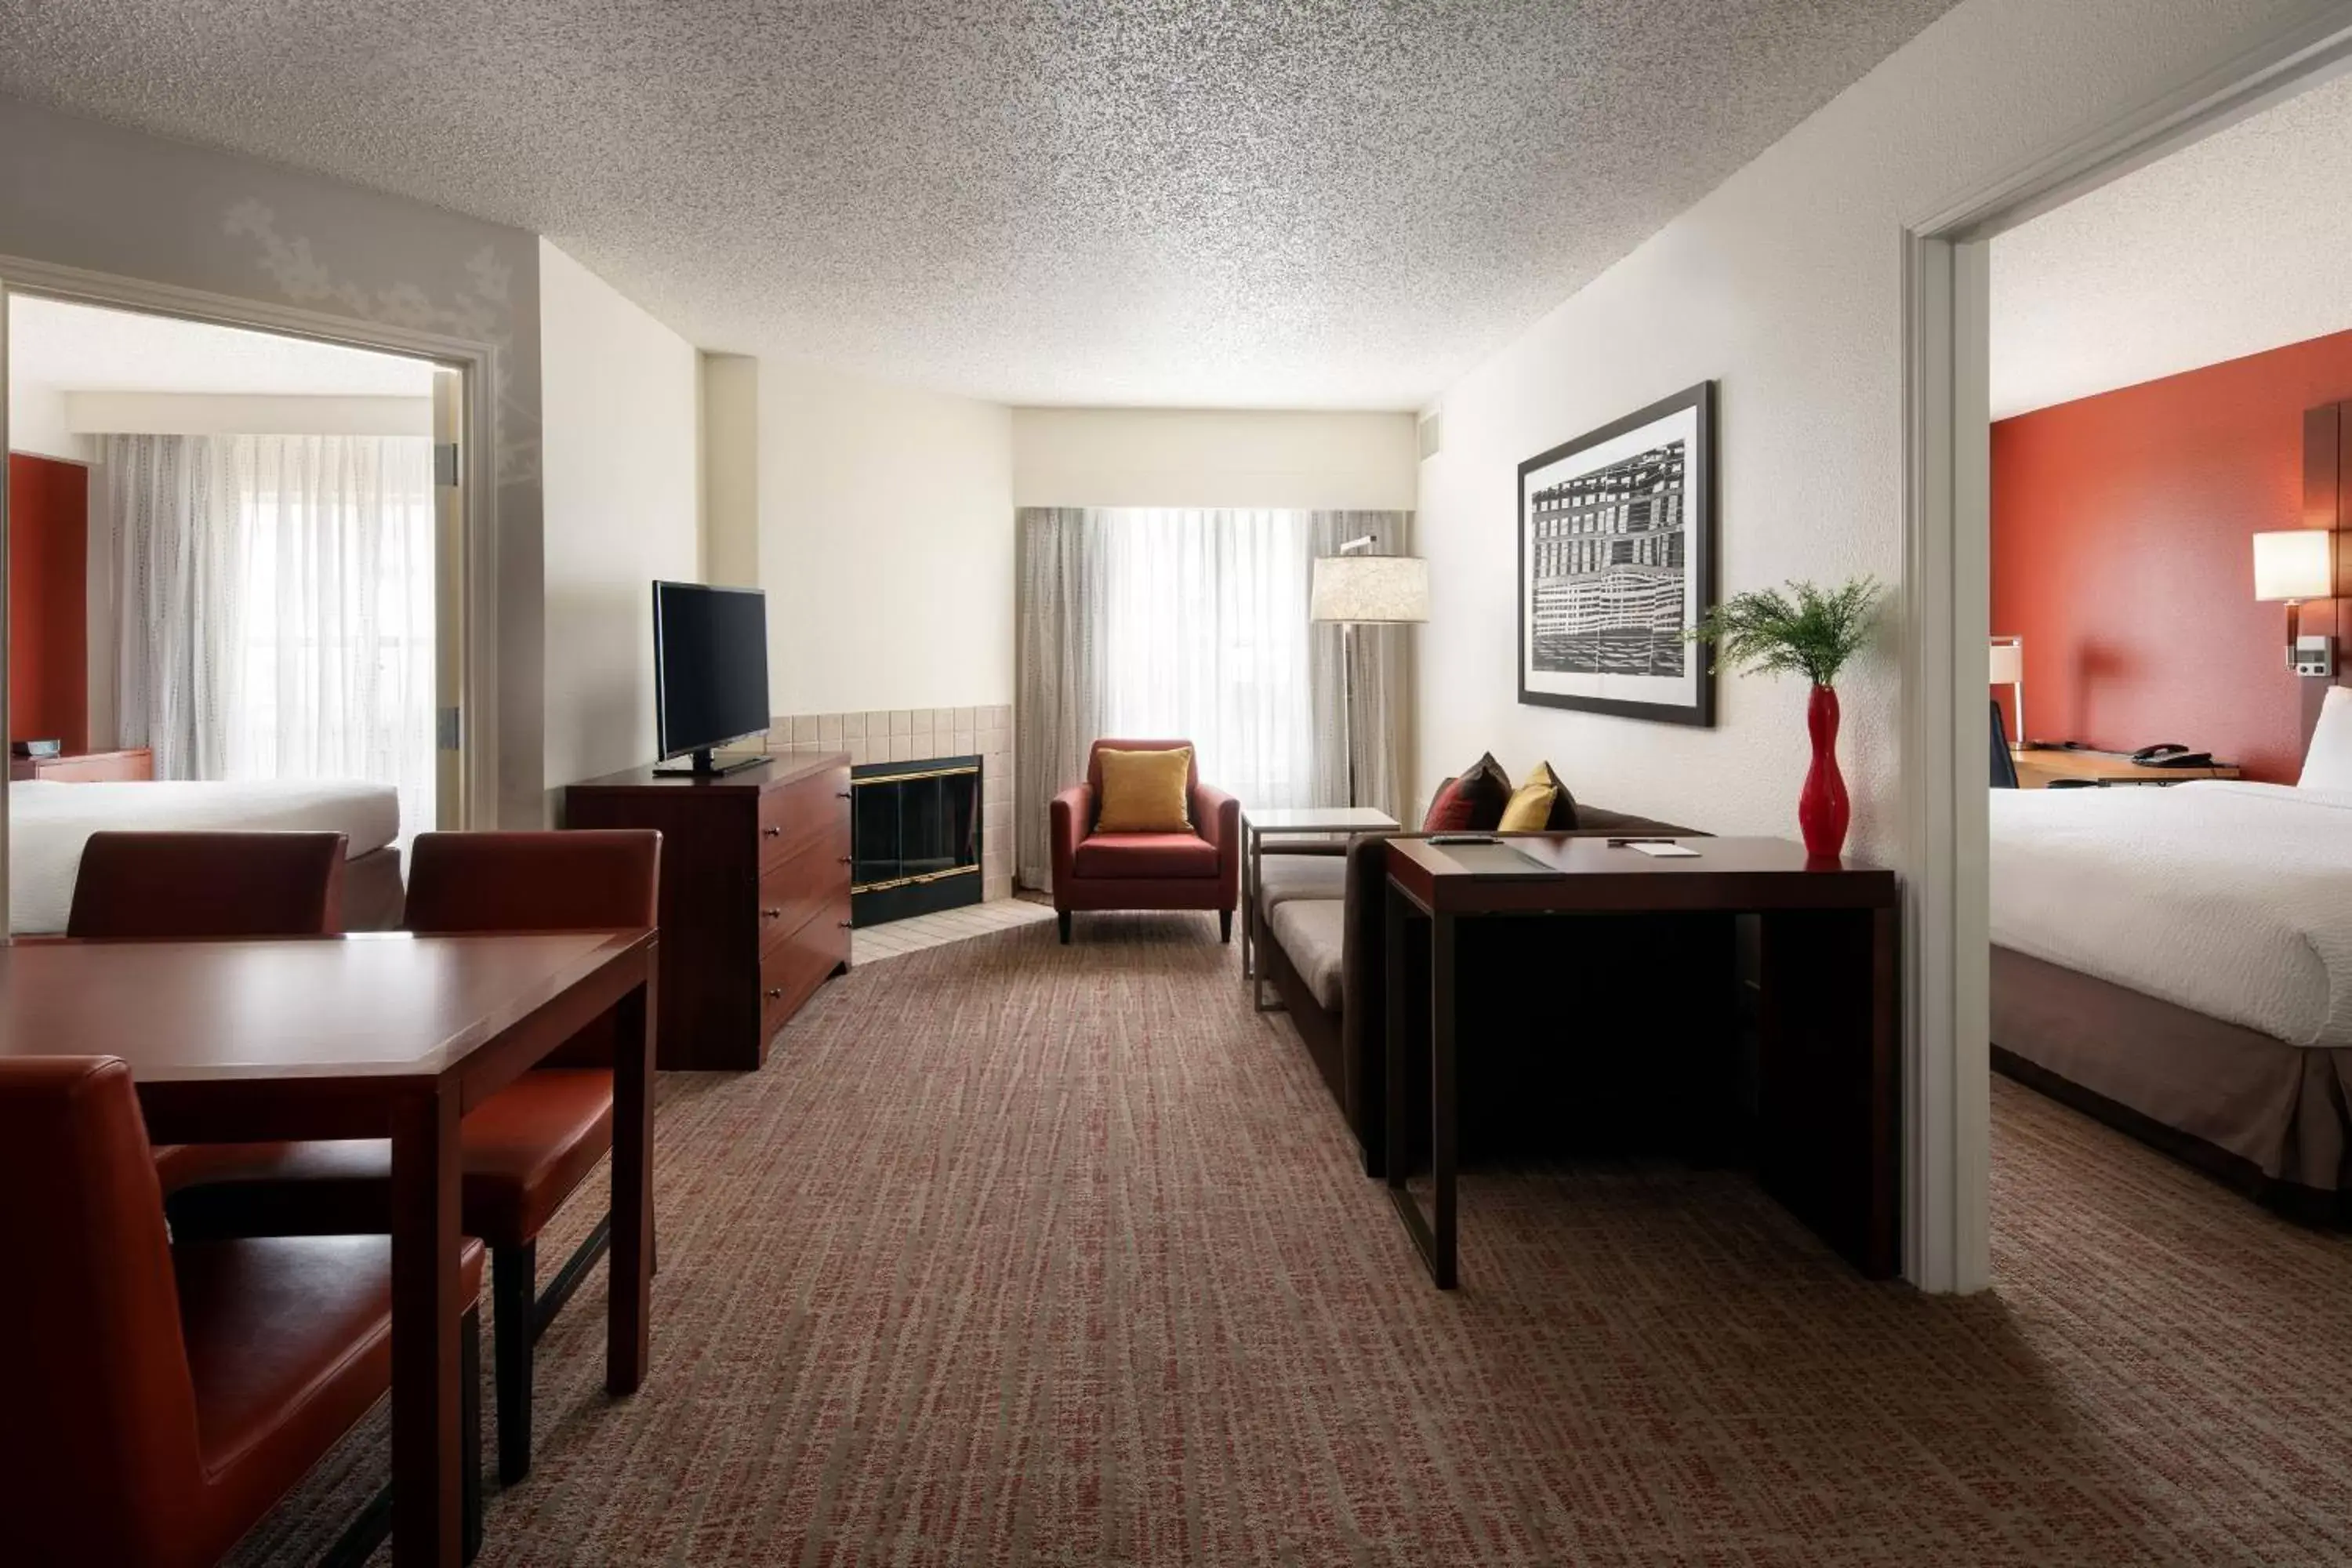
column 1656, row 848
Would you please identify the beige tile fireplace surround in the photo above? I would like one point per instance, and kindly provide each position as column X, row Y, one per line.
column 911, row 734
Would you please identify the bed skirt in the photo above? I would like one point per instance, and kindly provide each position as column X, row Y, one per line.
column 374, row 898
column 2269, row 1117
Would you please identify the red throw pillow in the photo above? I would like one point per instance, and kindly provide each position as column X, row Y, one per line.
column 1470, row 802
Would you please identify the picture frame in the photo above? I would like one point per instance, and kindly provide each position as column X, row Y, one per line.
column 1616, row 560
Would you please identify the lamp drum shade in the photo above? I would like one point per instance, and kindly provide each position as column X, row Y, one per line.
column 1370, row 588
column 2295, row 564
column 2007, row 664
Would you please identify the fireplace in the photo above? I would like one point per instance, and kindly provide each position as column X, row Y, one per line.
column 914, row 838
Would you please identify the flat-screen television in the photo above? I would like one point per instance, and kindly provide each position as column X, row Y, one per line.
column 711, row 670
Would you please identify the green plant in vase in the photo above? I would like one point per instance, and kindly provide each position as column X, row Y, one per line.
column 1813, row 632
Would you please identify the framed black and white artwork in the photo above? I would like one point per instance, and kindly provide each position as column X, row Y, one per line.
column 1617, row 561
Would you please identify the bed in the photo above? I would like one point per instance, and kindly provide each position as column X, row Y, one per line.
column 48, row 821
column 2178, row 960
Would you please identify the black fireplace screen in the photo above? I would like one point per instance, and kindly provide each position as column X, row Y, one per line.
column 915, row 822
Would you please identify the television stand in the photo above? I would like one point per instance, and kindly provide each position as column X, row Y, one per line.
column 754, row 896
column 702, row 765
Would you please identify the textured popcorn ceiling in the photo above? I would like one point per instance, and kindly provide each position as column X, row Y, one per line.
column 1101, row 201
column 2236, row 244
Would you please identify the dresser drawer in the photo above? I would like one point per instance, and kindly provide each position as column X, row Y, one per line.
column 793, row 889
column 794, row 966
column 795, row 815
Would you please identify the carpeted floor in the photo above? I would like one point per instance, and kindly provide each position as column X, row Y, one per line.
column 1019, row 1253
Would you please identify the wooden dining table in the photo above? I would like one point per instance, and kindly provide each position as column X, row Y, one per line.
column 372, row 1037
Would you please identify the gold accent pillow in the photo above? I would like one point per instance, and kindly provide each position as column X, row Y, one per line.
column 1144, row 792
column 1530, row 806
column 1528, row 809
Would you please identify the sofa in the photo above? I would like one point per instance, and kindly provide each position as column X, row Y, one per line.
column 1318, row 931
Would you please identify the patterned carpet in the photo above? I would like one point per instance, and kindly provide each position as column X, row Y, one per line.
column 1019, row 1253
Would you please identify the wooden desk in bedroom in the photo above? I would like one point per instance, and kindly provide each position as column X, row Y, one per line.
column 134, row 765
column 1828, row 1111
column 2037, row 768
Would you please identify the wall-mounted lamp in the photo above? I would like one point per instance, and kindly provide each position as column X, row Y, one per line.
column 2292, row 567
column 2009, row 669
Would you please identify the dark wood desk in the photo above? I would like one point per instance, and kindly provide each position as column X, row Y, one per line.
column 2039, row 766
column 1828, row 1112
column 371, row 1037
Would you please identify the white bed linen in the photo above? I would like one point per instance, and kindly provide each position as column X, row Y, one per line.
column 48, row 824
column 2232, row 899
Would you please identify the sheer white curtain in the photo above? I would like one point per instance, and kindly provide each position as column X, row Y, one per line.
column 335, row 645
column 1165, row 621
column 276, row 607
column 1203, row 637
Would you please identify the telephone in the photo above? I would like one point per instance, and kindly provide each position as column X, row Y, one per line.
column 2171, row 754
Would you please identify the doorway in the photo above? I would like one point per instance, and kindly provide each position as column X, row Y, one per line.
column 271, row 544
column 1947, row 624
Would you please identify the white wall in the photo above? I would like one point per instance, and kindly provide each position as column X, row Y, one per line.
column 886, row 544
column 1146, row 457
column 730, row 470
column 244, row 414
column 1785, row 284
column 37, row 423
column 623, row 486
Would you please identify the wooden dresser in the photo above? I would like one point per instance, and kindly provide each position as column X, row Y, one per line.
column 136, row 765
column 754, row 895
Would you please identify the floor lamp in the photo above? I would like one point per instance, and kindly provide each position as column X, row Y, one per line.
column 1356, row 588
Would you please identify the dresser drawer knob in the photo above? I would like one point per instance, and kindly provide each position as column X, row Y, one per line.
column 843, row 924
column 771, row 914
column 775, row 993
column 771, row 832
column 841, row 794
column 844, row 860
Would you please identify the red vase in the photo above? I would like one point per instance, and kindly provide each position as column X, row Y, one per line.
column 1822, row 811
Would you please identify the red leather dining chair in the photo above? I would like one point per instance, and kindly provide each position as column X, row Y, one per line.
column 160, row 886
column 1197, row 870
column 163, row 1396
column 524, row 1150
column 186, row 885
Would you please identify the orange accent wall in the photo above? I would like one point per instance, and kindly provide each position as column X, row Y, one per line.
column 2120, row 553
column 48, row 615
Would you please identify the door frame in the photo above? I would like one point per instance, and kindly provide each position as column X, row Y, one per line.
column 1947, row 353
column 473, row 360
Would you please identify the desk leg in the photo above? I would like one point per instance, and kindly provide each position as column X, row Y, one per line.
column 1434, row 1237
column 1444, row 1113
column 426, row 1494
column 628, row 1332
column 1249, row 910
column 1393, row 1094
column 1829, row 1093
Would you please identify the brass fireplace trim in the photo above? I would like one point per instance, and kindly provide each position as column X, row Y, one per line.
column 903, row 778
column 910, row 881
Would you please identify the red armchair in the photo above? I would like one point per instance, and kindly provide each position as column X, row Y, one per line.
column 1197, row 870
